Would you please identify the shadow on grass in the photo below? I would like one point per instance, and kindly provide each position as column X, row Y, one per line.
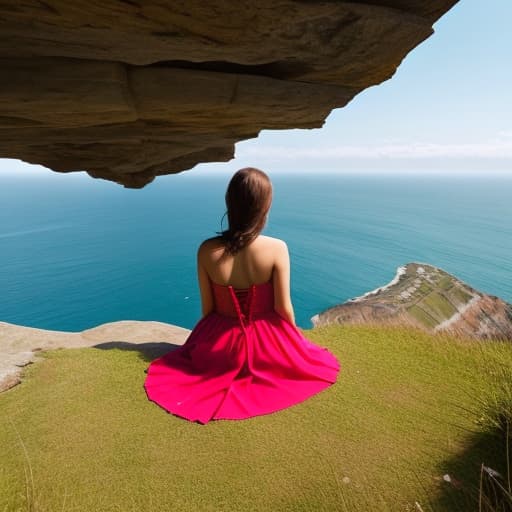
column 147, row 351
column 464, row 470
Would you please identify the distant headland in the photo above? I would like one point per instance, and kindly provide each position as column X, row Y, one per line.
column 427, row 297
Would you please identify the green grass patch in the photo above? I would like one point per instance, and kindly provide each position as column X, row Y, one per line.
column 439, row 306
column 445, row 283
column 460, row 295
column 424, row 288
column 422, row 316
column 79, row 434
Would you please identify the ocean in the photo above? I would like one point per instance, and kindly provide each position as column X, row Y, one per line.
column 77, row 252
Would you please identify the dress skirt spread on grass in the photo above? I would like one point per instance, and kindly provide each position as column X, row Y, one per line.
column 241, row 360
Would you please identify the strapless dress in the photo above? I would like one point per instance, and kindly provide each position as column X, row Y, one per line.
column 241, row 360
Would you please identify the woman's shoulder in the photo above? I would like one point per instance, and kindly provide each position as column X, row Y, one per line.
column 272, row 242
column 210, row 244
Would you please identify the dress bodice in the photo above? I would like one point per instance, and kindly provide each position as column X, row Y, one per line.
column 243, row 302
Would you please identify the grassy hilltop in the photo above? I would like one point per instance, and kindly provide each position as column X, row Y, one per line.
column 405, row 428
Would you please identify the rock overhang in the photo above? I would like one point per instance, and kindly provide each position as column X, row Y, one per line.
column 130, row 90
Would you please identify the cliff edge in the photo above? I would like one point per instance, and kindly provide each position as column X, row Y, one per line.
column 19, row 345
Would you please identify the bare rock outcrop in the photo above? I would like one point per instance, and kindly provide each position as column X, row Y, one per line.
column 20, row 345
column 128, row 90
column 427, row 297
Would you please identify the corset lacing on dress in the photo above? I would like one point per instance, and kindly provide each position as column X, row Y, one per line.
column 243, row 300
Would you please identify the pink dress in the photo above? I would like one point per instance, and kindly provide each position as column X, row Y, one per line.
column 239, row 361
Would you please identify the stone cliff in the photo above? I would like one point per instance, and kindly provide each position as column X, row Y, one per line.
column 431, row 299
column 128, row 90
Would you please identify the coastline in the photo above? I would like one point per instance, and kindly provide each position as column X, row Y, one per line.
column 400, row 271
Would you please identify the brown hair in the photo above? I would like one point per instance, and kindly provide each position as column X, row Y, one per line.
column 248, row 200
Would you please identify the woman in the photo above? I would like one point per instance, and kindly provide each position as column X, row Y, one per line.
column 245, row 357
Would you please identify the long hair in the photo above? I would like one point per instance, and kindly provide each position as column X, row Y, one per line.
column 248, row 200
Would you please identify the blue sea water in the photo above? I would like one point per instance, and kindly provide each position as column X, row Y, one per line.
column 77, row 252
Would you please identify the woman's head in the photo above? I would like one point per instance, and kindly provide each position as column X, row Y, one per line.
column 248, row 200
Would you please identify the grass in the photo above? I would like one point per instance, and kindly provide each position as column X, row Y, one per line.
column 422, row 316
column 445, row 283
column 496, row 490
column 424, row 288
column 439, row 306
column 408, row 408
column 460, row 295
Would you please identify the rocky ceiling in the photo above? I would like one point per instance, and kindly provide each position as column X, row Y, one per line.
column 131, row 89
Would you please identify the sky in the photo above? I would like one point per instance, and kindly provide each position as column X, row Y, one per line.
column 447, row 109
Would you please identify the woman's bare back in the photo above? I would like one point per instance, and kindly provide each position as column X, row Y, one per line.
column 264, row 259
column 252, row 265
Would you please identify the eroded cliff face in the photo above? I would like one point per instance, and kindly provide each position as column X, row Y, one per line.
column 429, row 298
column 128, row 90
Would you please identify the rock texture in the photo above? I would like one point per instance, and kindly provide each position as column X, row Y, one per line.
column 127, row 90
column 431, row 299
column 20, row 345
